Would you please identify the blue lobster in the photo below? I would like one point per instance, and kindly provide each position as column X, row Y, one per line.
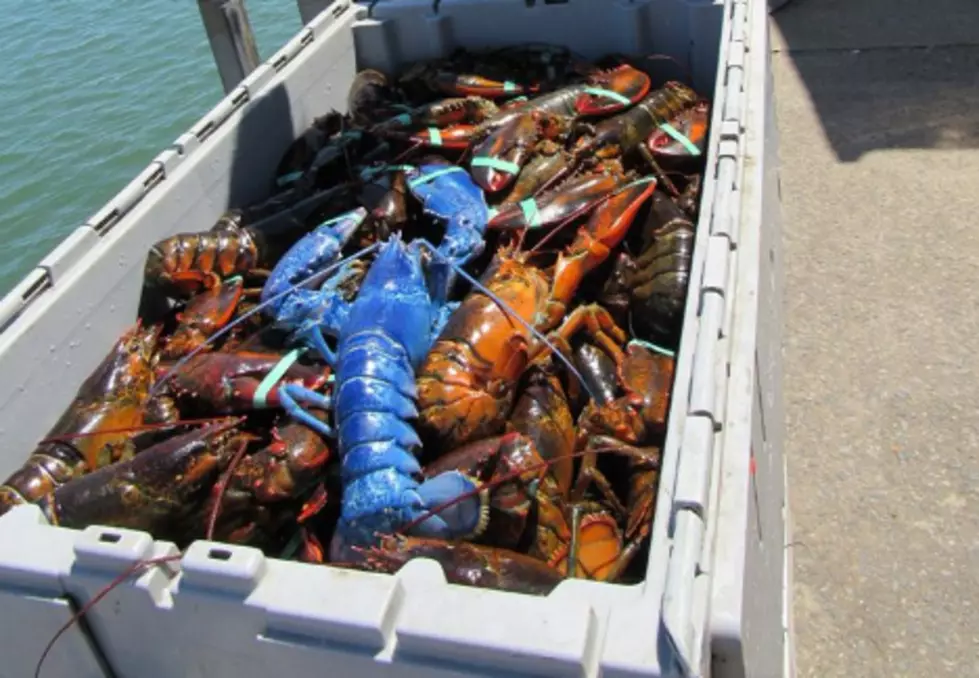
column 383, row 336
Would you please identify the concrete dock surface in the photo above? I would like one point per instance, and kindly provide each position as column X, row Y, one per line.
column 878, row 113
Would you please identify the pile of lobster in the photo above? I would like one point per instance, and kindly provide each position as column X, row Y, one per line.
column 448, row 333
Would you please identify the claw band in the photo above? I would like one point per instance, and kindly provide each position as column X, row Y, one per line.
column 342, row 217
column 530, row 213
column 425, row 178
column 681, row 137
column 288, row 178
column 273, row 378
column 637, row 182
column 608, row 94
column 654, row 348
column 434, row 136
column 370, row 172
column 496, row 163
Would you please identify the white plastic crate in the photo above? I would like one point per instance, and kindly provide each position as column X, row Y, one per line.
column 712, row 600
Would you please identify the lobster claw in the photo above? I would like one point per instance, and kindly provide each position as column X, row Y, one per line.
column 682, row 138
column 224, row 382
column 456, row 137
column 576, row 198
column 612, row 91
column 498, row 160
column 205, row 313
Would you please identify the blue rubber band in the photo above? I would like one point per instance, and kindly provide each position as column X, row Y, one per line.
column 424, row 179
column 288, row 178
column 434, row 136
column 530, row 213
column 608, row 94
column 654, row 348
column 496, row 163
column 273, row 378
column 681, row 137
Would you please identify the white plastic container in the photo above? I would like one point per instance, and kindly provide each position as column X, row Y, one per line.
column 712, row 601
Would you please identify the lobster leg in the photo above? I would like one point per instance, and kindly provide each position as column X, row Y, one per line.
column 661, row 177
column 600, row 325
column 589, row 473
column 291, row 395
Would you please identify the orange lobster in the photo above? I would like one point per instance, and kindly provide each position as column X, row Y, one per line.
column 466, row 384
column 110, row 399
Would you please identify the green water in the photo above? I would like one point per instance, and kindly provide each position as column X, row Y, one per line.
column 92, row 91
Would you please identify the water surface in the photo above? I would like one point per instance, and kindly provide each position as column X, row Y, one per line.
column 93, row 90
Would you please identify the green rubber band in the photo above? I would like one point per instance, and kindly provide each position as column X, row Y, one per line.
column 496, row 163
column 434, row 136
column 608, row 94
column 273, row 378
column 530, row 213
column 644, row 180
column 288, row 178
column 491, row 213
column 403, row 118
column 434, row 175
column 679, row 136
column 509, row 86
column 369, row 172
column 233, row 279
column 654, row 348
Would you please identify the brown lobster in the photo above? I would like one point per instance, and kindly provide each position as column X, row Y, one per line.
column 626, row 425
column 224, row 382
column 652, row 288
column 278, row 484
column 158, row 490
column 111, row 398
column 463, row 563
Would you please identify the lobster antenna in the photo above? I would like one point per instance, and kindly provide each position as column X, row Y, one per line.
column 137, row 568
column 134, row 429
column 315, row 277
column 222, row 487
column 514, row 316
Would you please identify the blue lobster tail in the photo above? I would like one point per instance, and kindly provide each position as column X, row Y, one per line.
column 373, row 427
column 313, row 252
column 375, row 356
column 369, row 394
column 377, row 455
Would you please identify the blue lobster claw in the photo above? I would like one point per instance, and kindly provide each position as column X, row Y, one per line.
column 314, row 252
column 447, row 192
